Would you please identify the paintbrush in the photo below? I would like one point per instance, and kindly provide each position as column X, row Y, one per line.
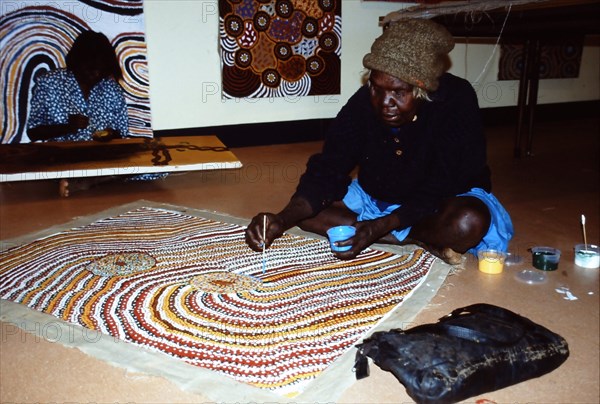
column 264, row 237
column 584, row 236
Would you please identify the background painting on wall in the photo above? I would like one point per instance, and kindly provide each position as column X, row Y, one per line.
column 421, row 1
column 280, row 48
column 559, row 59
column 36, row 36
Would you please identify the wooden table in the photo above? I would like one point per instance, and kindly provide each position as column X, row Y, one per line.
column 132, row 156
column 533, row 25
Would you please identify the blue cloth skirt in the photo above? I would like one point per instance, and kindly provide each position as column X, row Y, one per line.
column 498, row 236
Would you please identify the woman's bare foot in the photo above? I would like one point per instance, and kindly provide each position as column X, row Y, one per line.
column 63, row 188
column 450, row 256
column 67, row 187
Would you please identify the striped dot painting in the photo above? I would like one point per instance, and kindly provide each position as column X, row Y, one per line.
column 36, row 38
column 190, row 288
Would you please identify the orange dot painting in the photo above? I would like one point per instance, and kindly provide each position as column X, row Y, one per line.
column 280, row 48
column 190, row 288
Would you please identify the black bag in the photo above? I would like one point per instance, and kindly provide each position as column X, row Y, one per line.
column 474, row 350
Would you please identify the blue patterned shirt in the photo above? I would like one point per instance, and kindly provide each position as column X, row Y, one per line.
column 56, row 95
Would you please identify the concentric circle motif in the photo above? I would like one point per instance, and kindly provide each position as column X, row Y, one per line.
column 328, row 42
column 310, row 27
column 314, row 65
column 271, row 78
column 284, row 8
column 243, row 58
column 224, row 282
column 234, row 25
column 327, row 5
column 281, row 36
column 121, row 264
column 283, row 51
column 262, row 20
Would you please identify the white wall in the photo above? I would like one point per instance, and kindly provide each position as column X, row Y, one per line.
column 479, row 64
column 185, row 75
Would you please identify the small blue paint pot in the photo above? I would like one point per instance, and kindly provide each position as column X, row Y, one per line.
column 340, row 233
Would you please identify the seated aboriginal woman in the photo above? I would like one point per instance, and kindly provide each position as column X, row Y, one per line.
column 414, row 135
column 82, row 102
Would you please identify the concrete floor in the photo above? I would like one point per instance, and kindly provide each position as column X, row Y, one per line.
column 545, row 194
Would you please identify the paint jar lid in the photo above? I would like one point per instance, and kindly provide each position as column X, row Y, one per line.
column 513, row 259
column 531, row 276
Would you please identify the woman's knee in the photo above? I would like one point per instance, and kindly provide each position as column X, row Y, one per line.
column 470, row 216
column 460, row 223
column 335, row 215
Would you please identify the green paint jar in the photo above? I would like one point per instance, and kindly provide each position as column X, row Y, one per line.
column 545, row 258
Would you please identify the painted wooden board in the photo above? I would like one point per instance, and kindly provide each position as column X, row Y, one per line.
column 54, row 160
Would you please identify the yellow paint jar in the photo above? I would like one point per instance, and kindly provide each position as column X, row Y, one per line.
column 491, row 261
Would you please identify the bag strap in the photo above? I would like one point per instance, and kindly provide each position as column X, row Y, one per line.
column 496, row 311
column 361, row 363
column 473, row 335
column 500, row 315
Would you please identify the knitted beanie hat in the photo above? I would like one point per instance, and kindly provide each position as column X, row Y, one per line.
column 415, row 51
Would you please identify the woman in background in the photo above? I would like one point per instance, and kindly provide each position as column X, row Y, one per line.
column 73, row 103
column 82, row 102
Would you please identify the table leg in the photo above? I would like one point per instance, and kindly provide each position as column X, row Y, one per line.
column 522, row 98
column 534, row 80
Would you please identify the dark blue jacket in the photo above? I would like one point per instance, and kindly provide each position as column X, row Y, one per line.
column 443, row 153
